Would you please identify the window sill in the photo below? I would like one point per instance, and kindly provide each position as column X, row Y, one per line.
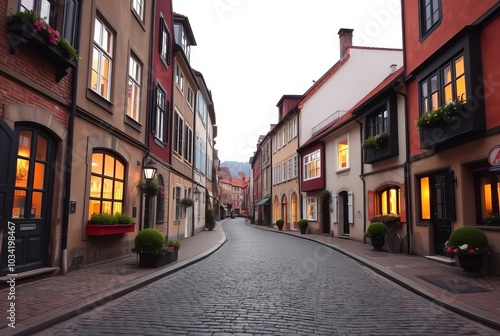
column 343, row 170
column 99, row 100
column 133, row 123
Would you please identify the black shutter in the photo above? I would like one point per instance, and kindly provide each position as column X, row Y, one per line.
column 166, row 122
column 449, row 187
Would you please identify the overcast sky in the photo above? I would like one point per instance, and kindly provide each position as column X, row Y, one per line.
column 252, row 52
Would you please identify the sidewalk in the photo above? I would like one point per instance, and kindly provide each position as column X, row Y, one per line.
column 43, row 303
column 474, row 296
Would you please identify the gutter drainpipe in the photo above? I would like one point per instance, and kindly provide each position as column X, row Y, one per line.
column 362, row 177
column 69, row 152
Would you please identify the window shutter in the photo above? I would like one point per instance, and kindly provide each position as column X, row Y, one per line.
column 70, row 20
column 449, row 187
column 350, row 207
column 155, row 110
column 335, row 208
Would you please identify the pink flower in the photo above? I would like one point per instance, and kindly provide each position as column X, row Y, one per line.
column 472, row 251
column 455, row 251
column 170, row 249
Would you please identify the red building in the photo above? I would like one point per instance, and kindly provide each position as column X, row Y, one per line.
column 451, row 50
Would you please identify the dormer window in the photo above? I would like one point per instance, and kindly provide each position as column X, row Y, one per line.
column 181, row 39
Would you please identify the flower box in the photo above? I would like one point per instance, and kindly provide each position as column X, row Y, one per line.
column 21, row 32
column 385, row 149
column 109, row 229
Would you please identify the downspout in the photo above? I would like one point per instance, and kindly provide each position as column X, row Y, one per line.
column 69, row 151
column 362, row 177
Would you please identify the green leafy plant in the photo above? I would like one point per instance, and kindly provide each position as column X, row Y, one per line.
column 187, row 202
column 303, row 223
column 442, row 113
column 387, row 219
column 374, row 141
column 493, row 219
column 210, row 219
column 280, row 223
column 40, row 26
column 150, row 188
column 109, row 219
column 150, row 241
column 174, row 243
column 466, row 240
column 377, row 230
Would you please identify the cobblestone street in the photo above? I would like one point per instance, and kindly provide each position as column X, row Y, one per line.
column 265, row 283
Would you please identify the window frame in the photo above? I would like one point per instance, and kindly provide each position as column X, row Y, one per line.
column 177, row 204
column 313, row 201
column 179, row 78
column 338, row 154
column 103, row 53
column 424, row 31
column 37, row 8
column 134, row 80
column 188, row 144
column 379, row 195
column 310, row 158
column 138, row 9
column 177, row 133
column 160, row 128
column 164, row 41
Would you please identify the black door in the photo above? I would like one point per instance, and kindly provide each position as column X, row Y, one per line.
column 325, row 208
column 443, row 208
column 30, row 210
column 344, row 200
column 6, row 178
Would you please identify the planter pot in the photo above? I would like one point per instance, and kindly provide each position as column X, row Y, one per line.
column 377, row 242
column 471, row 262
column 153, row 260
column 280, row 227
column 303, row 229
column 109, row 229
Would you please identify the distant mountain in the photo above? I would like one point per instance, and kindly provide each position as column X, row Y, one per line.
column 236, row 167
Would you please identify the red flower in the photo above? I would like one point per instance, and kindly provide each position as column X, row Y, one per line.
column 455, row 251
column 472, row 251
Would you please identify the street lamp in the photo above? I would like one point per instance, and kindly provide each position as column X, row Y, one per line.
column 196, row 193
column 149, row 174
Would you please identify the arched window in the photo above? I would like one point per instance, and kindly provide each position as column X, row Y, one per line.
column 160, row 201
column 107, row 182
column 388, row 200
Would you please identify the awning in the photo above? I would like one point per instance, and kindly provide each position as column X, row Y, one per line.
column 264, row 201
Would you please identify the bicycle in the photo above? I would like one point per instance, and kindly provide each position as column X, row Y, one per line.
column 394, row 242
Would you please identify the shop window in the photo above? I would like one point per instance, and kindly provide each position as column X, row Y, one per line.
column 311, row 208
column 488, row 198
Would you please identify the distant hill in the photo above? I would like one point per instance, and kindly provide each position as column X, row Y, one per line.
column 236, row 167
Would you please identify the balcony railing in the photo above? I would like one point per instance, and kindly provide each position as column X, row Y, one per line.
column 334, row 116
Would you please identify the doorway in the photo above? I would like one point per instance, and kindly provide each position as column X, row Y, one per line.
column 344, row 212
column 442, row 208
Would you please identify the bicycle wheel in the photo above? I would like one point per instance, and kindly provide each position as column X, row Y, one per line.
column 394, row 242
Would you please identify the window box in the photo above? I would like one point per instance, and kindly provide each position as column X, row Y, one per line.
column 22, row 32
column 109, row 229
column 386, row 148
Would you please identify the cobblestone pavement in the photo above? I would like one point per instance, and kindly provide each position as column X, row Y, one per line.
column 261, row 283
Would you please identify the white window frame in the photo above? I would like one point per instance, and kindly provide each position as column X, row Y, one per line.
column 103, row 47
column 164, row 42
column 295, row 165
column 284, row 165
column 134, row 88
column 290, row 169
column 138, row 6
column 338, row 153
column 311, row 206
column 177, row 135
column 161, row 113
column 188, row 144
column 190, row 98
column 308, row 160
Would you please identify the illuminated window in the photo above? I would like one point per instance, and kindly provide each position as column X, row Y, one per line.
column 312, row 165
column 134, row 88
column 488, row 194
column 425, row 199
column 311, row 208
column 445, row 85
column 343, row 154
column 107, row 182
column 102, row 60
column 388, row 201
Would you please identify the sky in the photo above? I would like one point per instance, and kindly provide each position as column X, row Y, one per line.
column 252, row 52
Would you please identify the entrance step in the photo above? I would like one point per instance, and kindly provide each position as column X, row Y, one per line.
column 344, row 236
column 442, row 260
column 32, row 275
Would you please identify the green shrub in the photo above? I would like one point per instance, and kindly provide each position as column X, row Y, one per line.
column 280, row 222
column 377, row 230
column 102, row 218
column 210, row 219
column 122, row 218
column 174, row 242
column 303, row 222
column 471, row 236
column 149, row 241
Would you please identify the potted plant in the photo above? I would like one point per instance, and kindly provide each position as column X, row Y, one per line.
column 173, row 245
column 470, row 245
column 150, row 188
column 187, row 202
column 389, row 219
column 376, row 232
column 374, row 141
column 209, row 219
column 303, row 224
column 279, row 224
column 150, row 245
column 107, row 224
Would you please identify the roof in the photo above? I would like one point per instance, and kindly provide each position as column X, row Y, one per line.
column 349, row 115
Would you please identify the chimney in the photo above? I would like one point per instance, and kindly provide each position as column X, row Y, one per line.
column 345, row 36
column 393, row 68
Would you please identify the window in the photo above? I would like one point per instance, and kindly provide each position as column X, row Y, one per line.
column 278, row 168
column 444, row 85
column 311, row 206
column 164, row 47
column 295, row 166
column 343, row 154
column 430, row 14
column 177, row 140
column 285, row 171
column 107, row 181
column 201, row 107
column 161, row 120
column 190, row 98
column 134, row 89
column 102, row 60
column 138, row 6
column 295, row 126
column 273, row 140
column 425, row 198
column 178, row 207
column 179, row 78
column 188, row 144
column 181, row 39
column 200, row 155
column 487, row 195
column 377, row 123
column 290, row 176
column 160, row 201
column 388, row 201
column 45, row 9
column 312, row 165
